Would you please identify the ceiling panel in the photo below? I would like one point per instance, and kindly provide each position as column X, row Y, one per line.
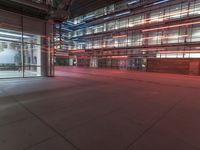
column 80, row 7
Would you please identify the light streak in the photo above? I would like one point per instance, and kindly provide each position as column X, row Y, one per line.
column 171, row 26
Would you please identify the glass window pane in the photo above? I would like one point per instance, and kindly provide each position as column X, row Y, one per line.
column 136, row 20
column 154, row 38
column 194, row 8
column 111, row 26
column 156, row 16
column 32, row 60
column 10, row 53
column 195, row 37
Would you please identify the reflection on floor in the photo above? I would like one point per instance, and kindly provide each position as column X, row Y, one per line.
column 15, row 74
column 100, row 109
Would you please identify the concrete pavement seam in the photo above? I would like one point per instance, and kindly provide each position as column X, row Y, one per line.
column 42, row 121
column 154, row 123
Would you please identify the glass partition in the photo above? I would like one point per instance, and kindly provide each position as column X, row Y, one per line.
column 10, row 54
column 19, row 57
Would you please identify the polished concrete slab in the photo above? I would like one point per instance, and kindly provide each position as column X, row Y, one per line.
column 100, row 109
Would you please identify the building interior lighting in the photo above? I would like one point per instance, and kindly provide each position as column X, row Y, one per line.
column 61, row 55
column 167, row 16
column 181, row 51
column 119, row 56
column 123, row 13
column 13, row 34
column 172, row 26
column 156, row 3
column 177, row 53
column 174, row 37
column 77, row 51
column 192, row 55
column 90, row 16
column 132, row 2
column 160, row 2
column 119, row 36
column 10, row 39
column 149, row 49
column 106, row 18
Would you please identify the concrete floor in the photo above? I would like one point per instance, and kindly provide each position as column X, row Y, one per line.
column 91, row 109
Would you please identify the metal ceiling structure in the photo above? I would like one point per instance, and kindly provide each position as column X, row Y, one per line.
column 80, row 7
column 26, row 7
column 59, row 11
column 73, row 8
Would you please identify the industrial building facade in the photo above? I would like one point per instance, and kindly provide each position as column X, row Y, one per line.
column 156, row 36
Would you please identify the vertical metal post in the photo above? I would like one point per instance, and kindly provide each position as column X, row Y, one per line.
column 22, row 52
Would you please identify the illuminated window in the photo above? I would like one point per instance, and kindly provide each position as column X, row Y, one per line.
column 156, row 16
column 194, row 34
column 154, row 38
column 136, row 20
column 194, row 7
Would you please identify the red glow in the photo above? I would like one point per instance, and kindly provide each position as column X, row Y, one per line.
column 172, row 26
column 174, row 37
column 155, row 49
column 165, row 17
column 61, row 55
column 181, row 51
column 119, row 36
column 119, row 56
column 77, row 51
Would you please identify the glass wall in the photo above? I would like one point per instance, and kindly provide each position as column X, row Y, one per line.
column 17, row 59
column 178, row 11
column 94, row 14
column 25, row 50
column 10, row 54
column 183, row 34
column 32, row 55
column 144, row 32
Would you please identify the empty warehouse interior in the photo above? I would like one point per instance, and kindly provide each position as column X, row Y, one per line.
column 99, row 74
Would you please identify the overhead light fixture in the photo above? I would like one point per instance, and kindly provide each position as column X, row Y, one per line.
column 163, row 1
column 13, row 34
column 156, row 3
column 132, row 2
column 119, row 36
column 10, row 39
column 119, row 57
column 90, row 16
column 106, row 18
column 81, row 23
column 123, row 13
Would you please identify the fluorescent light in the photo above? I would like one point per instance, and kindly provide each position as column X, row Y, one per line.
column 124, row 13
column 89, row 16
column 13, row 34
column 132, row 2
column 160, row 2
column 156, row 3
column 106, row 18
column 119, row 36
column 10, row 39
